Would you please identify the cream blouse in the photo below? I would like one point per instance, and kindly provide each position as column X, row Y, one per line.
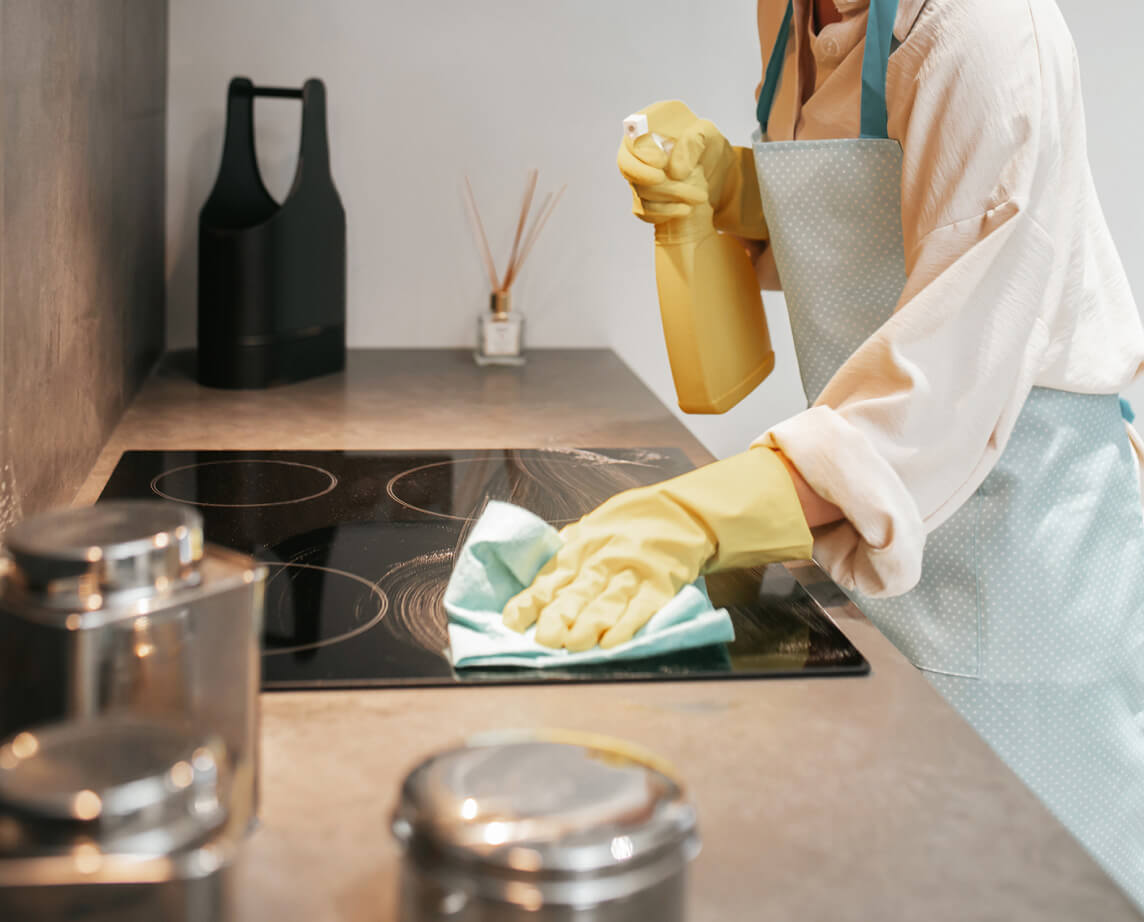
column 1013, row 278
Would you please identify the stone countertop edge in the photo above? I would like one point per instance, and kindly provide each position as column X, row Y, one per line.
column 834, row 799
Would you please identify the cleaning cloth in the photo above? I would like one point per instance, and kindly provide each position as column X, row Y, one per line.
column 507, row 547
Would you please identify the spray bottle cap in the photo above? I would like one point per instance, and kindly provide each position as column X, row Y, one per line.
column 635, row 126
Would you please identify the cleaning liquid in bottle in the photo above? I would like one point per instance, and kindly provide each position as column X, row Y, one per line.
column 716, row 332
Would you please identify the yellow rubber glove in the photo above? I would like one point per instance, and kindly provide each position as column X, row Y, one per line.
column 624, row 561
column 702, row 168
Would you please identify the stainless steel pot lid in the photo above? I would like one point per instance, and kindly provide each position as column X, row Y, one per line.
column 84, row 557
column 118, row 782
column 547, row 805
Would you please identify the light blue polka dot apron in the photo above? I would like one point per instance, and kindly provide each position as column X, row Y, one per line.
column 1029, row 617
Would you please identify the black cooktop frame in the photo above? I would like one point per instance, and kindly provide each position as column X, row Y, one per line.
column 359, row 545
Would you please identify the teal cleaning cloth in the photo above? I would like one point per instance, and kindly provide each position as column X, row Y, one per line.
column 507, row 547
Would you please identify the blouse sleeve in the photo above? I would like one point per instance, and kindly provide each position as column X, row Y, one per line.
column 915, row 419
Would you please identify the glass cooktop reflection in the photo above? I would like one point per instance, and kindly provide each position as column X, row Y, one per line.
column 359, row 546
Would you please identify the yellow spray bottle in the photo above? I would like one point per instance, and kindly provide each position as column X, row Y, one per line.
column 718, row 344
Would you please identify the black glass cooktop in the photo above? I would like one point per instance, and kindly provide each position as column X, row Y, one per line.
column 359, row 547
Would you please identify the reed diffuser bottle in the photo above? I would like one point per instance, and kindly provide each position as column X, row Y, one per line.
column 500, row 330
column 500, row 333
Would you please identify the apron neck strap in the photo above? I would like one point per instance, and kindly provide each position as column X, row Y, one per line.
column 774, row 71
column 876, row 56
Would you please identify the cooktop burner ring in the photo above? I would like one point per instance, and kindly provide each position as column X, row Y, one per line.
column 330, row 485
column 374, row 588
column 569, row 457
column 414, row 589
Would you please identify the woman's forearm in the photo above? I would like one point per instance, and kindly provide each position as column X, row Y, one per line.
column 815, row 509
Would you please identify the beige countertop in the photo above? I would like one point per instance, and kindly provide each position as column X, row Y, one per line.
column 819, row 799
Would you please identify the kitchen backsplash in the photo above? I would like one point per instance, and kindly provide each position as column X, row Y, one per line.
column 83, row 86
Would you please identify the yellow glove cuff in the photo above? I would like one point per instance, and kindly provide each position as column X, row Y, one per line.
column 748, row 505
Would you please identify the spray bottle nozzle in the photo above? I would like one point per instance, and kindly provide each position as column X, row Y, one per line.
column 635, row 126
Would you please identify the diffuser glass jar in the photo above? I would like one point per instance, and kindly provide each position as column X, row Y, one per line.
column 500, row 333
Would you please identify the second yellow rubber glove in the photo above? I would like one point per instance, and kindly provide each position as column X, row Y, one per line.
column 624, row 561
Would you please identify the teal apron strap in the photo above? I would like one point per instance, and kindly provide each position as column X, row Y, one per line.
column 879, row 37
column 774, row 71
column 876, row 57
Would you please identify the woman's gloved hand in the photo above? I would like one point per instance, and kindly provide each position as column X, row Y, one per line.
column 623, row 562
column 702, row 169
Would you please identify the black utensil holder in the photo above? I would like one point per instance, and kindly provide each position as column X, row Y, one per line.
column 272, row 277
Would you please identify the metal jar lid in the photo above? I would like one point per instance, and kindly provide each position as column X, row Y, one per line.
column 546, row 818
column 87, row 557
column 115, row 783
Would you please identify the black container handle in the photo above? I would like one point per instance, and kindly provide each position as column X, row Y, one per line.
column 280, row 92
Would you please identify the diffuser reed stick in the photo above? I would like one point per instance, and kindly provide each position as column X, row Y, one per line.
column 526, row 205
column 486, row 252
column 530, row 239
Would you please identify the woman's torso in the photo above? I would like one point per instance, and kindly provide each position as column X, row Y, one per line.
column 1096, row 338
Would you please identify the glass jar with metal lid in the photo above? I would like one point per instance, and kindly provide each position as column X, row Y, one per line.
column 120, row 607
column 543, row 827
column 114, row 819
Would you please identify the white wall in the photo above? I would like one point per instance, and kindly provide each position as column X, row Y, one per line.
column 422, row 92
